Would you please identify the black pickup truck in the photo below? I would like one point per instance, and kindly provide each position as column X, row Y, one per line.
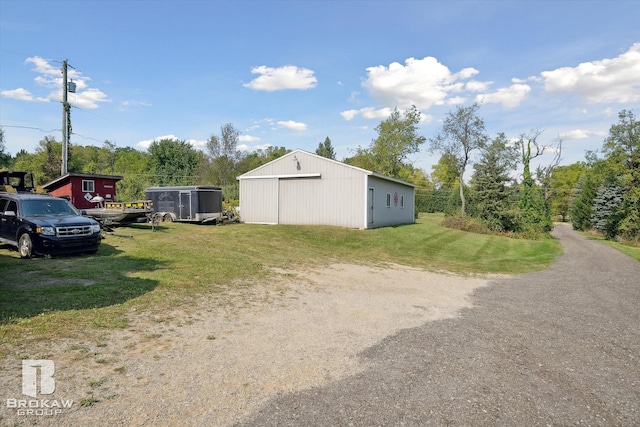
column 39, row 224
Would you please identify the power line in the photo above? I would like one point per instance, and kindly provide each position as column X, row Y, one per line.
column 87, row 137
column 30, row 127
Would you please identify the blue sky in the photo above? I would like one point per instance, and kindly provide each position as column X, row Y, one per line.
column 291, row 73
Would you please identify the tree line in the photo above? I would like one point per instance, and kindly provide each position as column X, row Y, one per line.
column 504, row 193
column 166, row 162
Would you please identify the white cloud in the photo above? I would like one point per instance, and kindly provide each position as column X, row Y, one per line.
column 377, row 114
column 248, row 138
column 124, row 105
column 42, row 66
column 49, row 82
column 467, row 73
column 456, row 100
column 197, row 144
column 420, row 82
column 372, row 113
column 476, row 86
column 291, row 125
column 245, row 148
column 287, row 77
column 147, row 143
column 88, row 98
column 367, row 113
column 509, row 97
column 349, row 114
column 354, row 96
column 602, row 81
column 576, row 134
column 20, row 94
column 50, row 77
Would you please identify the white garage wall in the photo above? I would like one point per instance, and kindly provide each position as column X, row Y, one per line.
column 303, row 188
column 259, row 201
column 396, row 213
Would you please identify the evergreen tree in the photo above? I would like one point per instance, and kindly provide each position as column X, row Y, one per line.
column 581, row 208
column 622, row 150
column 325, row 149
column 492, row 192
column 607, row 214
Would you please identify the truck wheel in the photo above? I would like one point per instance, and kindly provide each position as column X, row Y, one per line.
column 167, row 218
column 25, row 246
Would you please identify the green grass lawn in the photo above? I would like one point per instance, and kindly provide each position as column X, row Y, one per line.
column 153, row 271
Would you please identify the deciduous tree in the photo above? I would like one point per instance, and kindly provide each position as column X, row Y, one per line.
column 563, row 184
column 462, row 132
column 134, row 166
column 445, row 174
column 397, row 139
column 224, row 154
column 173, row 162
column 5, row 158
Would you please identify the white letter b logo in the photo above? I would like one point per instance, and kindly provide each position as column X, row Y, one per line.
column 30, row 377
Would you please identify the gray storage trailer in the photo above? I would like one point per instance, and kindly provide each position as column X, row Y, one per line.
column 193, row 203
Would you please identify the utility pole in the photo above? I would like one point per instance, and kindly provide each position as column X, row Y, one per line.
column 65, row 121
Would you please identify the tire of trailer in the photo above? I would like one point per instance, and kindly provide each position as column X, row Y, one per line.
column 167, row 218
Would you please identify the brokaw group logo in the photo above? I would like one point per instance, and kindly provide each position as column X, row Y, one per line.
column 35, row 406
column 30, row 377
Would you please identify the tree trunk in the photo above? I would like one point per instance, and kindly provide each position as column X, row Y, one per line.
column 462, row 199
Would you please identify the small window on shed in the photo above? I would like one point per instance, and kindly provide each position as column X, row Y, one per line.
column 402, row 201
column 88, row 186
column 388, row 200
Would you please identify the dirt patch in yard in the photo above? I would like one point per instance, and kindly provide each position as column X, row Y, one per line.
column 218, row 361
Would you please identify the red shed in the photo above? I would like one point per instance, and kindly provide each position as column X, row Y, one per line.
column 82, row 187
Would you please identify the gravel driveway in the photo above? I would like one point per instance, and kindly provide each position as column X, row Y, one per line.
column 557, row 347
column 365, row 346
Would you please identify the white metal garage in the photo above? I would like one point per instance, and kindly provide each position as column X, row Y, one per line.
column 304, row 188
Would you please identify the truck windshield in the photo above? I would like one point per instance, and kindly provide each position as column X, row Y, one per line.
column 58, row 207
